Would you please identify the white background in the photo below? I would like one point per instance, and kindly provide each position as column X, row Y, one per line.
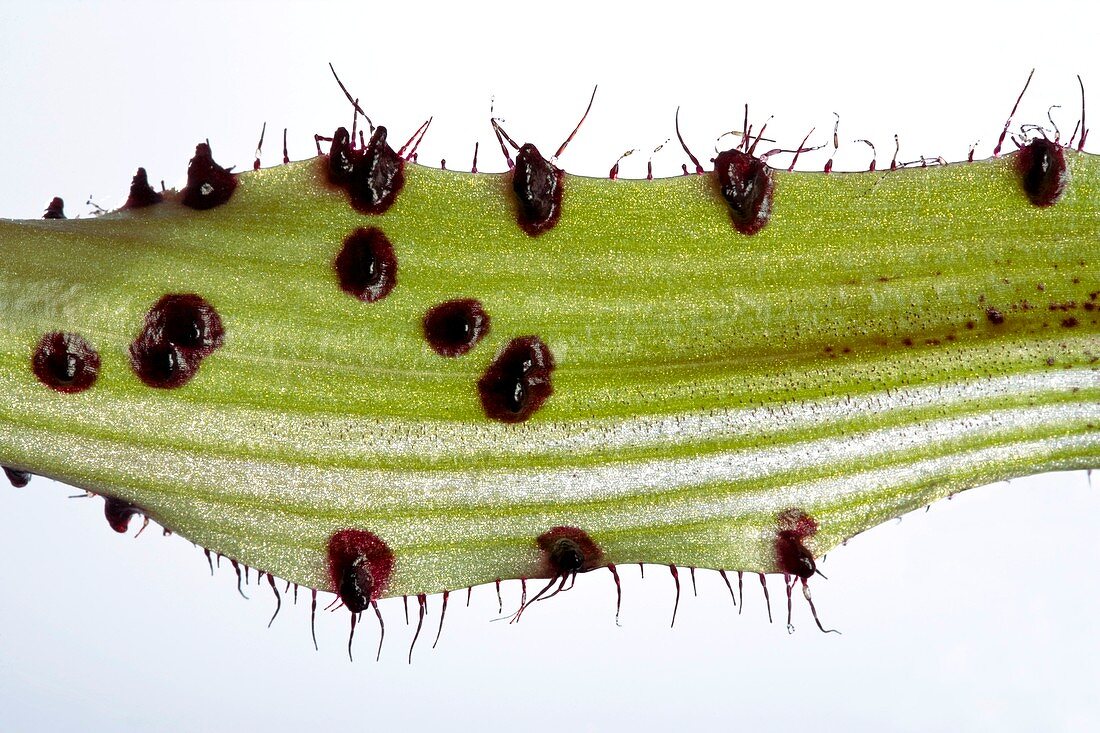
column 979, row 615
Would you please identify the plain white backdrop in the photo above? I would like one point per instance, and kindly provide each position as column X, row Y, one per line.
column 978, row 615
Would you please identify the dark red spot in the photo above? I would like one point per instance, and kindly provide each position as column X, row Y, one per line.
column 161, row 364
column 565, row 552
column 792, row 557
column 994, row 316
column 377, row 176
column 568, row 550
column 359, row 565
column 372, row 176
column 141, row 193
column 455, row 327
column 366, row 265
column 18, row 478
column 518, row 381
column 65, row 362
column 1042, row 168
column 1069, row 322
column 746, row 184
column 538, row 185
column 180, row 330
column 186, row 320
column 341, row 158
column 208, row 184
column 119, row 513
column 55, row 209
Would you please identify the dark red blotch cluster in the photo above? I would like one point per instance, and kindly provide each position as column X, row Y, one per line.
column 517, row 383
column 180, row 330
column 372, row 176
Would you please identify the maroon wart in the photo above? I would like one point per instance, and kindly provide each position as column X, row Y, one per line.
column 180, row 330
column 55, row 209
column 1041, row 165
column 208, row 184
column 366, row 266
column 65, row 362
column 517, row 383
column 119, row 513
column 793, row 527
column 538, row 185
column 18, row 478
column 456, row 326
column 372, row 176
column 142, row 194
column 568, row 550
column 746, row 184
column 359, row 565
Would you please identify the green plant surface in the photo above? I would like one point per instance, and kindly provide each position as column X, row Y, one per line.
column 841, row 362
